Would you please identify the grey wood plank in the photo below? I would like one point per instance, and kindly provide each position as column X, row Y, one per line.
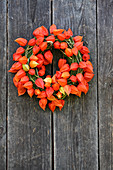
column 29, row 128
column 105, row 82
column 76, row 127
column 3, row 61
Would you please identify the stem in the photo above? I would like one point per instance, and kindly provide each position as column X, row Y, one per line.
column 51, row 42
column 37, row 72
column 56, row 39
column 30, row 48
column 80, row 56
column 77, row 58
column 36, row 76
column 65, row 54
column 68, row 44
column 64, row 96
column 27, row 50
column 72, row 59
column 62, row 52
column 32, row 79
column 71, row 39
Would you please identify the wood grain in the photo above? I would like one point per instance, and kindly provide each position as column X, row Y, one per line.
column 105, row 82
column 3, row 62
column 75, row 127
column 29, row 128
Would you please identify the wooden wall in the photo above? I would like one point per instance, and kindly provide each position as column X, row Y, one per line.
column 80, row 137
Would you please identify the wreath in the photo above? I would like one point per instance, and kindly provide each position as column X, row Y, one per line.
column 75, row 69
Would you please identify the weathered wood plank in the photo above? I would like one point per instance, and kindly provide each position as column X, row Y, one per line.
column 3, row 61
column 105, row 82
column 29, row 128
column 75, row 128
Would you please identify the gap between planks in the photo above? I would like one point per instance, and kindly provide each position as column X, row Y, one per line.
column 52, row 116
column 6, row 84
column 97, row 83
